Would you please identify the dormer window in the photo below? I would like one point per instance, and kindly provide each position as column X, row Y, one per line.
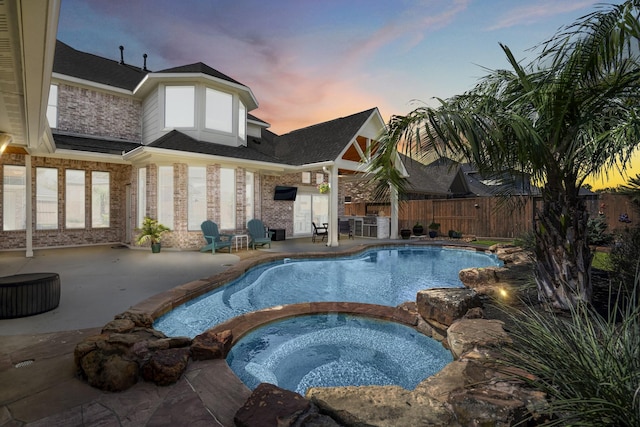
column 218, row 110
column 179, row 110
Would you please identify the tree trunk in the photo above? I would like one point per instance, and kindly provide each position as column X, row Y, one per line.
column 563, row 257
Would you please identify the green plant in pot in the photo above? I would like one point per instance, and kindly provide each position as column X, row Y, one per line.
column 433, row 229
column 418, row 229
column 151, row 231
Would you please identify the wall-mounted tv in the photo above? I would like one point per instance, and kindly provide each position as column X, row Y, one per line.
column 285, row 193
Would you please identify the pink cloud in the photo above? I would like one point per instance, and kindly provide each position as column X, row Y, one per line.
column 530, row 14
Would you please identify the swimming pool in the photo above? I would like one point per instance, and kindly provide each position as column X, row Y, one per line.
column 334, row 350
column 384, row 276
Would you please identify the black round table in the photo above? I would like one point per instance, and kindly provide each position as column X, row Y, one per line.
column 28, row 294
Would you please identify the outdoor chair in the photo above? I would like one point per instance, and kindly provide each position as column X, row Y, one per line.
column 322, row 232
column 345, row 228
column 214, row 239
column 258, row 234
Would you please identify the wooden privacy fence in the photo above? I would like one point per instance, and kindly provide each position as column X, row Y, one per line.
column 492, row 217
column 480, row 216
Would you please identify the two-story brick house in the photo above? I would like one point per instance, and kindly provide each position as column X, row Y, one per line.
column 179, row 145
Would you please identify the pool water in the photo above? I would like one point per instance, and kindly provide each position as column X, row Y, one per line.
column 387, row 276
column 333, row 350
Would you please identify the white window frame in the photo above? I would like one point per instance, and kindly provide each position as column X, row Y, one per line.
column 218, row 110
column 142, row 195
column 242, row 121
column 165, row 196
column 46, row 198
column 74, row 200
column 249, row 195
column 100, row 199
column 14, row 198
column 197, row 197
column 227, row 198
column 179, row 107
column 52, row 106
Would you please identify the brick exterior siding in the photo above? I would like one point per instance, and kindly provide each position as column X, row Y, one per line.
column 89, row 112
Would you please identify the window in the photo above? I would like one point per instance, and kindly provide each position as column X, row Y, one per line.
column 179, row 106
column 319, row 178
column 249, row 196
column 100, row 209
column 14, row 198
column 46, row 198
column 165, row 195
column 52, row 107
column 306, row 177
column 227, row 198
column 142, row 195
column 197, row 210
column 218, row 110
column 242, row 121
column 74, row 199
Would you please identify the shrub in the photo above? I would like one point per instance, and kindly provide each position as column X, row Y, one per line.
column 587, row 364
column 624, row 259
column 597, row 231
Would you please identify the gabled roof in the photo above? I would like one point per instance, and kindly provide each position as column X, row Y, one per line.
column 93, row 145
column 321, row 142
column 82, row 65
column 199, row 67
column 178, row 141
column 441, row 177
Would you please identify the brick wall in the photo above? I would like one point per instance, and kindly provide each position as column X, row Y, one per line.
column 119, row 178
column 90, row 112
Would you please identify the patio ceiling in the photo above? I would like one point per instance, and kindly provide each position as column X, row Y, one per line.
column 27, row 38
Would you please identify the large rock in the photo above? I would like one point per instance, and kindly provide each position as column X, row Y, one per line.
column 210, row 345
column 446, row 305
column 111, row 360
column 503, row 283
column 270, row 405
column 380, row 406
column 469, row 334
column 110, row 372
column 165, row 367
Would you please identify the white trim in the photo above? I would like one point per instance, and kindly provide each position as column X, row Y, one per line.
column 88, row 83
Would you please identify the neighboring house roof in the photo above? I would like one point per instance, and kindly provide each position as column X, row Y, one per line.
column 178, row 141
column 86, row 66
column 93, row 145
column 321, row 142
column 441, row 177
column 199, row 67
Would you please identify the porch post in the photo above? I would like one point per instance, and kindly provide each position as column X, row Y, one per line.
column 29, row 207
column 394, row 212
column 332, row 239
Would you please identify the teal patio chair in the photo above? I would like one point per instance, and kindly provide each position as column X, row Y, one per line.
column 214, row 239
column 258, row 234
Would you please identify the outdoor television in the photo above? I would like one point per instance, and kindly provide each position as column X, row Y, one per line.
column 285, row 193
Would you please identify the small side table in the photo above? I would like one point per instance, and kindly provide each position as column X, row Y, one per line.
column 241, row 238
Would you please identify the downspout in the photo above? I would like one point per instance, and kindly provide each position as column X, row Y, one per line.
column 29, row 206
column 332, row 239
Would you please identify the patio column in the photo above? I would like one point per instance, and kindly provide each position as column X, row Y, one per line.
column 394, row 212
column 29, row 207
column 332, row 239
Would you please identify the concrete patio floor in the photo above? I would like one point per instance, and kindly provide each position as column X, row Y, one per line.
column 38, row 384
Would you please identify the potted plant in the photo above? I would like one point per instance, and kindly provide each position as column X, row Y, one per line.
column 151, row 231
column 433, row 229
column 405, row 233
column 323, row 187
column 418, row 229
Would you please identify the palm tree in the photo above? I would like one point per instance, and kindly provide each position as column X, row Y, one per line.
column 572, row 113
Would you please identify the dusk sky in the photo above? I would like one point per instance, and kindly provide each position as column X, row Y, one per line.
column 308, row 61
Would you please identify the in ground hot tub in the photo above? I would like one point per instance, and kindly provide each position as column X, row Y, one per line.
column 24, row 295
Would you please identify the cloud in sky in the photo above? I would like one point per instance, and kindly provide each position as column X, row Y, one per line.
column 309, row 61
